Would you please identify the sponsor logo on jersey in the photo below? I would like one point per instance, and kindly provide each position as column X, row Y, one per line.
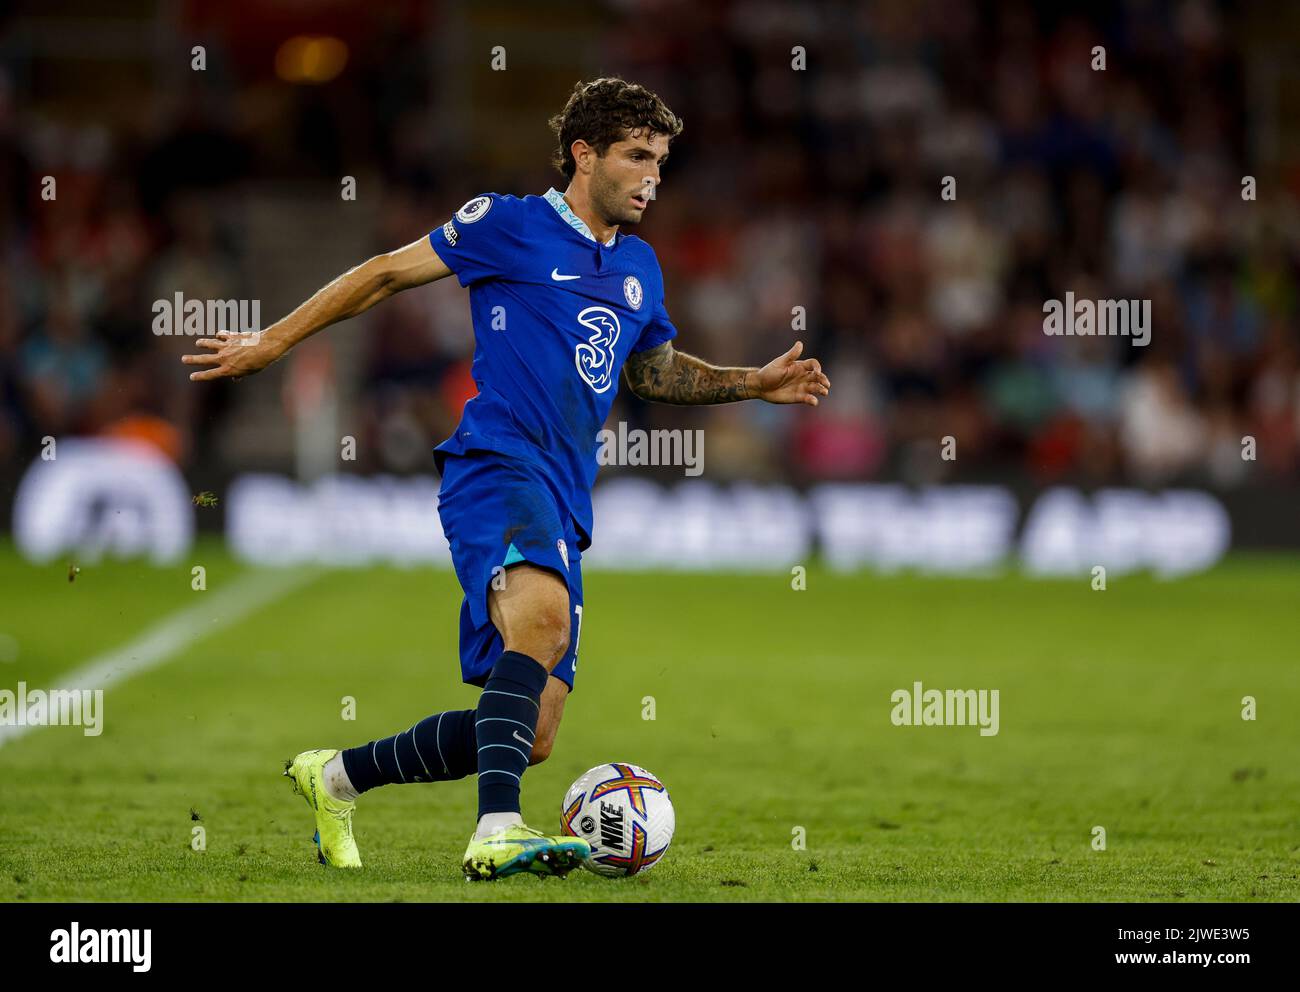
column 564, row 552
column 474, row 209
column 594, row 358
column 449, row 232
column 632, row 291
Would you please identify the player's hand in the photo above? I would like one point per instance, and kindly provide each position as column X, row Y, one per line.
column 789, row 379
column 233, row 355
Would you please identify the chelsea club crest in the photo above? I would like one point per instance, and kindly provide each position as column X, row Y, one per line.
column 632, row 292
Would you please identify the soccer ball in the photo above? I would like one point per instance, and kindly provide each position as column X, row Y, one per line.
column 624, row 813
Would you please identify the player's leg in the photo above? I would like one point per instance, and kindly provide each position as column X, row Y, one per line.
column 530, row 610
column 514, row 610
column 560, row 684
column 554, row 697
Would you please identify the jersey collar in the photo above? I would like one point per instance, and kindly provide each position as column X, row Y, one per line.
column 556, row 199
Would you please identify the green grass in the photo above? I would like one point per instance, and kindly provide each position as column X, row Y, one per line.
column 1119, row 708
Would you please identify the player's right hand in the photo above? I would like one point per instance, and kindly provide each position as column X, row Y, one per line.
column 233, row 355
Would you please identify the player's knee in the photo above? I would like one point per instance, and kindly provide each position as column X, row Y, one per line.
column 548, row 634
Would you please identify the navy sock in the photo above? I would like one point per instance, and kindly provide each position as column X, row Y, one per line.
column 439, row 748
column 506, row 725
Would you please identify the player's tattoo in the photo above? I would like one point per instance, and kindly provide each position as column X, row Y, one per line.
column 670, row 376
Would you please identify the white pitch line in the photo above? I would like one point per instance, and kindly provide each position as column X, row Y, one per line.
column 160, row 642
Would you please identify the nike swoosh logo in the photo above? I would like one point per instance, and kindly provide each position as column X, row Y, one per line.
column 520, row 739
column 555, row 274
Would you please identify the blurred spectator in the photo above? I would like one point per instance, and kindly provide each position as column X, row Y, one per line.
column 798, row 204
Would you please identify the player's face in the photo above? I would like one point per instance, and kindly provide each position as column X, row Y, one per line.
column 624, row 178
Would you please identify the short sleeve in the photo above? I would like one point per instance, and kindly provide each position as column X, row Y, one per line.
column 481, row 240
column 660, row 329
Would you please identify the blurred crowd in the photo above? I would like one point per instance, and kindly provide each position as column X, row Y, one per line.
column 904, row 203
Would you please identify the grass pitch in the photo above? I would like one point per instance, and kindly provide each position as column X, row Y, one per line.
column 1119, row 709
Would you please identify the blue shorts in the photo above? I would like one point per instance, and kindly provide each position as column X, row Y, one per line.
column 497, row 511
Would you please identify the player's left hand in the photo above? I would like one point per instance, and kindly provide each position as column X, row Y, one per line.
column 789, row 379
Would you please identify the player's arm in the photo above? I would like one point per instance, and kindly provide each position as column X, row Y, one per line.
column 667, row 375
column 354, row 292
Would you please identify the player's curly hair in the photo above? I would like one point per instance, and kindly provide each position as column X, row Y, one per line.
column 603, row 111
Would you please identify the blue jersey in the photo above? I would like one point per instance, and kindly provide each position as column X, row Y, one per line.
column 556, row 315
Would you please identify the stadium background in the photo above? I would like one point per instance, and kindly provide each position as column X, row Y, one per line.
column 817, row 189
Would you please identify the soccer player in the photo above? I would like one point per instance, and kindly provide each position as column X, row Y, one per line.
column 561, row 300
